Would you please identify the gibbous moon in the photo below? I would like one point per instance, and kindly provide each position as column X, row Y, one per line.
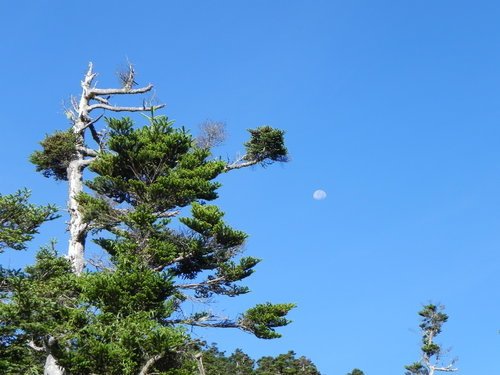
column 319, row 195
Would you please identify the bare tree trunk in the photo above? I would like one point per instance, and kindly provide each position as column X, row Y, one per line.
column 199, row 361
column 77, row 228
column 52, row 368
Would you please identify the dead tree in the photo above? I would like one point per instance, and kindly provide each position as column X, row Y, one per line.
column 81, row 114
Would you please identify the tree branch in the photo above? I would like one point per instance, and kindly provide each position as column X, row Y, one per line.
column 203, row 283
column 91, row 122
column 199, row 360
column 150, row 362
column 35, row 347
column 84, row 163
column 203, row 323
column 102, row 100
column 168, row 214
column 123, row 91
column 124, row 109
column 86, row 151
column 240, row 164
column 448, row 368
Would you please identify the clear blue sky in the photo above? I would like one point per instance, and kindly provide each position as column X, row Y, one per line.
column 391, row 107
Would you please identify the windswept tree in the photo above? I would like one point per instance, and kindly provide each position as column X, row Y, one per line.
column 146, row 205
column 431, row 362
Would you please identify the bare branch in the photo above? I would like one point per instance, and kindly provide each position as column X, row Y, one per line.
column 95, row 135
column 168, row 214
column 125, row 109
column 213, row 133
column 127, row 77
column 86, row 151
column 99, row 264
column 85, row 162
column 35, row 347
column 122, row 91
column 150, row 362
column 203, row 283
column 448, row 368
column 74, row 103
column 240, row 164
column 102, row 100
column 200, row 323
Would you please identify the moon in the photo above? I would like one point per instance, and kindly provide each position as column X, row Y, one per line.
column 319, row 195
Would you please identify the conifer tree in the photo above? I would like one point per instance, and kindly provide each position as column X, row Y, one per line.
column 433, row 319
column 286, row 364
column 356, row 372
column 147, row 206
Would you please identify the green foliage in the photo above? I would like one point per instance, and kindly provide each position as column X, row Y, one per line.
column 126, row 315
column 19, row 220
column 286, row 364
column 131, row 287
column 266, row 145
column 121, row 345
column 217, row 363
column 416, row 368
column 262, row 319
column 97, row 323
column 58, row 150
column 154, row 165
column 146, row 176
column 356, row 372
column 39, row 306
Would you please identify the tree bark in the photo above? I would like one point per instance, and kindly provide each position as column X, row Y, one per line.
column 77, row 228
column 199, row 362
column 52, row 368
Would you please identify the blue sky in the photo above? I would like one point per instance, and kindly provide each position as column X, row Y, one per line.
column 391, row 107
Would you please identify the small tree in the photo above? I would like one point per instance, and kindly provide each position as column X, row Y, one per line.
column 431, row 362
column 356, row 372
column 286, row 364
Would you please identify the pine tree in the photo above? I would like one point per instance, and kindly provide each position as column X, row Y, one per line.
column 286, row 364
column 163, row 245
column 432, row 321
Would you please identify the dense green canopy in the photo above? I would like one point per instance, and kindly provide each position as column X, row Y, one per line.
column 162, row 246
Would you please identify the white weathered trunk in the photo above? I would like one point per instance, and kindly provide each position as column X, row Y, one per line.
column 77, row 228
column 51, row 367
column 199, row 362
